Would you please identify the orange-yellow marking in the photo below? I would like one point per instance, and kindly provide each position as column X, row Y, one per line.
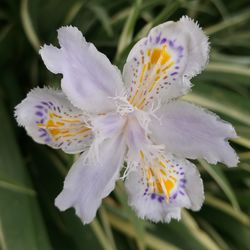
column 57, row 128
column 77, row 133
column 155, row 60
column 159, row 177
column 142, row 73
column 167, row 67
column 141, row 103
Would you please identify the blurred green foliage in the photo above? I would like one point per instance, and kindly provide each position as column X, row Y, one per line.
column 32, row 175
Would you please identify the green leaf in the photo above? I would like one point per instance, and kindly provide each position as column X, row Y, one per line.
column 73, row 12
column 151, row 240
column 227, row 209
column 161, row 17
column 244, row 136
column 66, row 230
column 217, row 174
column 200, row 235
column 229, row 22
column 228, row 71
column 128, row 29
column 235, row 233
column 100, row 235
column 102, row 15
column 214, row 234
column 107, row 226
column 22, row 225
column 137, row 224
column 28, row 26
column 225, row 102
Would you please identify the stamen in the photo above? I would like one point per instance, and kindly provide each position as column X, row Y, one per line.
column 123, row 106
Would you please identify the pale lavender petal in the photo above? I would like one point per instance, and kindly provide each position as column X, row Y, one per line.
column 89, row 180
column 160, row 66
column 192, row 132
column 89, row 79
column 49, row 118
column 184, row 189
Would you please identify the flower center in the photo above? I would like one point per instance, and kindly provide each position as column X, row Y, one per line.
column 123, row 107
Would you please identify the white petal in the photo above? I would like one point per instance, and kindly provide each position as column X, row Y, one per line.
column 89, row 79
column 192, row 132
column 198, row 46
column 52, row 57
column 135, row 136
column 108, row 125
column 49, row 118
column 162, row 64
column 89, row 182
column 159, row 193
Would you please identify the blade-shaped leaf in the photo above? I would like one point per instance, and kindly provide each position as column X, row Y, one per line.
column 22, row 225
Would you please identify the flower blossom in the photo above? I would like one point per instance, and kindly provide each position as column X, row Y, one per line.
column 134, row 117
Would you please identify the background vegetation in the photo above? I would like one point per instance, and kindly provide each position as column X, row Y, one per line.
column 31, row 175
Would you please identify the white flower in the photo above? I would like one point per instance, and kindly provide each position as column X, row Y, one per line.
column 135, row 117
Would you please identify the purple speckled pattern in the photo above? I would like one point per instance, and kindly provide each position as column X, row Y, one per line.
column 179, row 190
column 158, row 38
column 150, row 77
column 41, row 114
column 178, row 49
column 153, row 196
column 46, row 111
